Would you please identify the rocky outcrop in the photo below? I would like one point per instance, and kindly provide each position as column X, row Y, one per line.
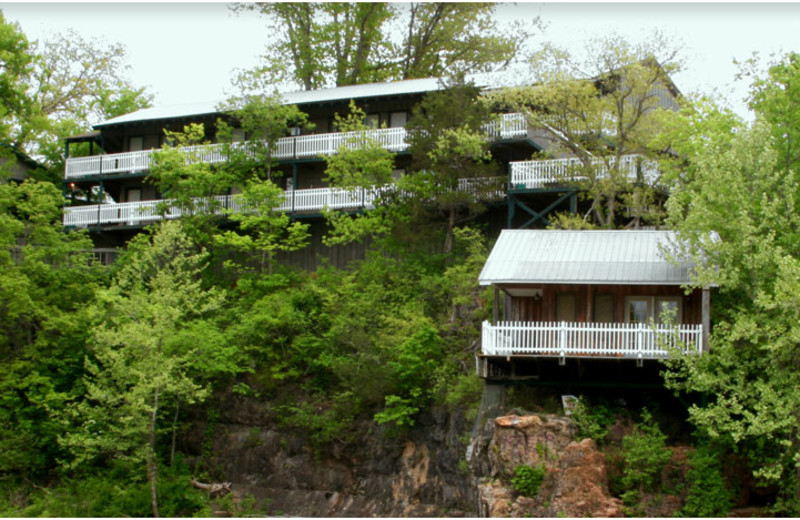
column 576, row 479
column 420, row 473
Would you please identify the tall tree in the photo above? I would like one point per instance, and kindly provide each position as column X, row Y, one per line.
column 739, row 187
column 442, row 39
column 341, row 43
column 47, row 284
column 325, row 42
column 146, row 351
column 451, row 177
column 599, row 110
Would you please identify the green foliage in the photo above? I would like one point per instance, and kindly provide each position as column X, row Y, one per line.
column 145, row 351
column 736, row 208
column 598, row 109
column 262, row 231
column 47, row 283
column 708, row 494
column 593, row 420
column 112, row 495
column 528, row 479
column 263, row 120
column 345, row 43
column 645, row 455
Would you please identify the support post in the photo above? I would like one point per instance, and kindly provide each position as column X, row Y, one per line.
column 99, row 201
column 706, row 317
column 495, row 309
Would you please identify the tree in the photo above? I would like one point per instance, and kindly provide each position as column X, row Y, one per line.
column 263, row 120
column 453, row 173
column 599, row 110
column 263, row 231
column 58, row 88
column 324, row 41
column 15, row 65
column 146, row 353
column 736, row 209
column 47, row 283
column 444, row 39
column 342, row 43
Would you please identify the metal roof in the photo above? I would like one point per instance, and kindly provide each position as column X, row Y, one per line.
column 584, row 257
column 406, row 87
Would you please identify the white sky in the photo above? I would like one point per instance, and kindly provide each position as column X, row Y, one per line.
column 186, row 52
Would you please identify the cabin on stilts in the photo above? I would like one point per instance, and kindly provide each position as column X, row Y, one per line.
column 588, row 295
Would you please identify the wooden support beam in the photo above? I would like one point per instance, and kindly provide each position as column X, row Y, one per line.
column 706, row 317
column 495, row 309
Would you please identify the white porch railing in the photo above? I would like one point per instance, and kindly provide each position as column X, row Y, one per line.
column 393, row 139
column 537, row 174
column 604, row 340
column 144, row 212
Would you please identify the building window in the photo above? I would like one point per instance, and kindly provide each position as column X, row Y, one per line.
column 133, row 194
column 668, row 310
column 397, row 119
column 373, row 121
column 136, row 144
column 637, row 309
column 566, row 310
column 645, row 309
column 603, row 308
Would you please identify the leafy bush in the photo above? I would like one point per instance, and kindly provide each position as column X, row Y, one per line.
column 528, row 479
column 593, row 421
column 645, row 455
column 708, row 495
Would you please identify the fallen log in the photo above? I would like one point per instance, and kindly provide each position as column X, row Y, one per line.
column 215, row 490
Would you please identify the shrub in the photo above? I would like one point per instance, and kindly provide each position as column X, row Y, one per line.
column 645, row 454
column 528, row 479
column 593, row 421
column 708, row 495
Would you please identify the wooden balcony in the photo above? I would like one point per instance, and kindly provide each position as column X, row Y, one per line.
column 589, row 340
column 541, row 174
column 295, row 201
column 305, row 146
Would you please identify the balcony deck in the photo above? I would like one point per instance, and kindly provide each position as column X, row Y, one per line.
column 299, row 147
column 295, row 201
column 592, row 340
column 531, row 175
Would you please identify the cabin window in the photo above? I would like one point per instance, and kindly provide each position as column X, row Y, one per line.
column 136, row 144
column 603, row 308
column 566, row 310
column 668, row 310
column 373, row 121
column 662, row 309
column 397, row 119
column 637, row 309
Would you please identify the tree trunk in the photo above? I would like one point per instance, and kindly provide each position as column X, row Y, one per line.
column 448, row 239
column 152, row 469
column 174, row 435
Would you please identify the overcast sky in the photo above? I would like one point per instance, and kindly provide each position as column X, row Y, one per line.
column 186, row 52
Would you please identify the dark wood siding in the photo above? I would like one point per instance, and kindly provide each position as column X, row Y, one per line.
column 544, row 309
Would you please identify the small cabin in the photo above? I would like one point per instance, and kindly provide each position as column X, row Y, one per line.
column 607, row 294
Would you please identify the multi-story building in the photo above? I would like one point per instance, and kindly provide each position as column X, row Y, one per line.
column 110, row 198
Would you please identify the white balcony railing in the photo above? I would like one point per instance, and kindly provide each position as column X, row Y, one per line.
column 393, row 139
column 604, row 340
column 308, row 200
column 538, row 174
column 144, row 212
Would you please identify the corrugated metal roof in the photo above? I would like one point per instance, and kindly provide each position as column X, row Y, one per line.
column 410, row 86
column 583, row 257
